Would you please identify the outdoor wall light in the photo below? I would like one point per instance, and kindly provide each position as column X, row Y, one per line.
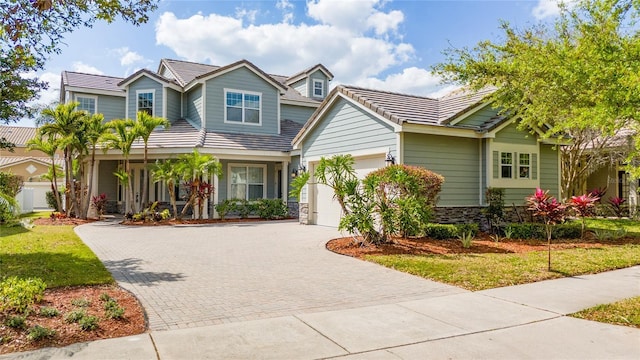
column 295, row 172
column 389, row 159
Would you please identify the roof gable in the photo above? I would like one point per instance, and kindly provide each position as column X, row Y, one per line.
column 242, row 64
column 150, row 74
column 304, row 73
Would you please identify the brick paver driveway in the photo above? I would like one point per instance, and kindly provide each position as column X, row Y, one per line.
column 198, row 275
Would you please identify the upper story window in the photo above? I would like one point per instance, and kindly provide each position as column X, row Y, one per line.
column 243, row 107
column 145, row 100
column 318, row 88
column 87, row 103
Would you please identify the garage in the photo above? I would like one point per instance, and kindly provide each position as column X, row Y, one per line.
column 324, row 208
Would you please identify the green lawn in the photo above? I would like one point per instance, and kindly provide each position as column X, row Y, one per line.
column 53, row 253
column 485, row 271
column 625, row 312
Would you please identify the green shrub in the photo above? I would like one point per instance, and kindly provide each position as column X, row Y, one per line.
column 112, row 310
column 19, row 294
column 51, row 200
column 105, row 297
column 525, row 231
column 88, row 322
column 441, row 231
column 272, row 209
column 40, row 332
column 466, row 238
column 224, row 208
column 75, row 315
column 472, row 228
column 16, row 322
column 81, row 302
column 49, row 311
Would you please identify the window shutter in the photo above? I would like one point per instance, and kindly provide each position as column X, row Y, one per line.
column 534, row 166
column 516, row 166
column 496, row 164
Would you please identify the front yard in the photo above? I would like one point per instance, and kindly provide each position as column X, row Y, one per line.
column 80, row 303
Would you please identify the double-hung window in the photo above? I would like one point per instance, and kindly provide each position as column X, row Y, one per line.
column 87, row 103
column 318, row 88
column 247, row 181
column 524, row 166
column 243, row 107
column 506, row 165
column 145, row 101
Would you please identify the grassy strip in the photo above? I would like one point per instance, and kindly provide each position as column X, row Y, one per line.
column 53, row 253
column 486, row 271
column 625, row 312
column 631, row 227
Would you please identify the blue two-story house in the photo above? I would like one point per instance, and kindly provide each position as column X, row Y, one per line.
column 243, row 116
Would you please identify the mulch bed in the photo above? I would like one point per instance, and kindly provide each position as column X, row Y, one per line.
column 482, row 244
column 134, row 321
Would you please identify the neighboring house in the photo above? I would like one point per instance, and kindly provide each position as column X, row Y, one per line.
column 459, row 136
column 614, row 178
column 243, row 116
column 31, row 165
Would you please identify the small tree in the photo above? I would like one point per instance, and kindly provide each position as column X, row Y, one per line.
column 550, row 211
column 194, row 168
column 167, row 173
column 583, row 206
column 495, row 210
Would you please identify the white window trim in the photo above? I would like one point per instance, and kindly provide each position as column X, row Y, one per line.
column 243, row 92
column 94, row 97
column 514, row 182
column 502, row 165
column 264, row 177
column 153, row 106
column 313, row 88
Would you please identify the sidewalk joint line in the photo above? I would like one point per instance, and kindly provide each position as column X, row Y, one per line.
column 155, row 348
column 323, row 335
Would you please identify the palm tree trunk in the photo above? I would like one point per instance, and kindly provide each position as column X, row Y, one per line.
column 70, row 191
column 132, row 204
column 90, row 186
column 172, row 194
column 54, row 184
column 144, row 200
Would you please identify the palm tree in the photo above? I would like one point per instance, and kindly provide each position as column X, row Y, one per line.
column 64, row 124
column 166, row 172
column 94, row 131
column 193, row 169
column 145, row 124
column 121, row 137
column 49, row 146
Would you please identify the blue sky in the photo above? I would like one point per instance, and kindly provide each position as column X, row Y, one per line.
column 382, row 44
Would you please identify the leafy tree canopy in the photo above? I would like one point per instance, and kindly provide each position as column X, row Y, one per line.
column 33, row 29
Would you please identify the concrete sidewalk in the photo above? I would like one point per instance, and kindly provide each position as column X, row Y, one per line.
column 517, row 322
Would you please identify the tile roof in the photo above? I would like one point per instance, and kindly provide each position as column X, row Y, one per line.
column 458, row 102
column 186, row 71
column 148, row 72
column 10, row 160
column 91, row 81
column 183, row 134
column 18, row 135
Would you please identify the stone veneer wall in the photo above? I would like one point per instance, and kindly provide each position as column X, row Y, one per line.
column 473, row 214
column 303, row 213
column 293, row 208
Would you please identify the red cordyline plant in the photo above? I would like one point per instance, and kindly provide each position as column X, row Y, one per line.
column 549, row 210
column 616, row 205
column 583, row 206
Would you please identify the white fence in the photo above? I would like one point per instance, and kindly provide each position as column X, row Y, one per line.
column 34, row 196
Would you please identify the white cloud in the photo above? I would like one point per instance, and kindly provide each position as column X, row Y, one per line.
column 549, row 8
column 352, row 39
column 52, row 94
column 128, row 57
column 287, row 10
column 250, row 15
column 79, row 66
column 412, row 80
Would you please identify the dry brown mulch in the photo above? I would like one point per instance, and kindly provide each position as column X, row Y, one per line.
column 62, row 221
column 482, row 244
column 196, row 221
column 134, row 321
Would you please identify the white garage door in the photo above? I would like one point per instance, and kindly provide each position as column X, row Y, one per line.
column 326, row 210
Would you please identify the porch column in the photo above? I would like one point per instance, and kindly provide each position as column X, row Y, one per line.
column 94, row 189
column 633, row 196
column 284, row 181
column 215, row 195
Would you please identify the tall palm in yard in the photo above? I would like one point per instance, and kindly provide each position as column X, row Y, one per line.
column 49, row 146
column 94, row 130
column 145, row 124
column 194, row 169
column 167, row 173
column 64, row 123
column 121, row 136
